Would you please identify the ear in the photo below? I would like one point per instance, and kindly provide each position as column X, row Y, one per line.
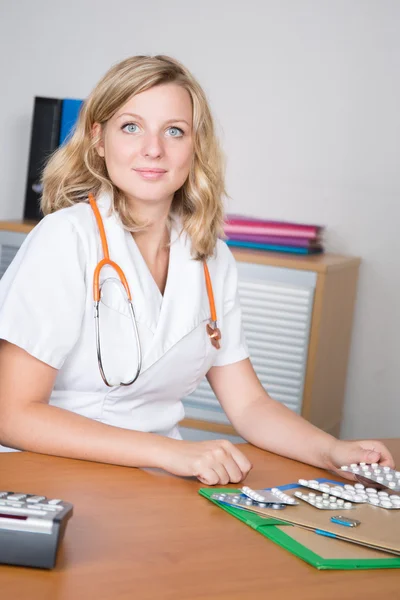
column 97, row 133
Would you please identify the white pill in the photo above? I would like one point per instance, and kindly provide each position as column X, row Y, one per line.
column 362, row 464
column 365, row 468
column 347, row 496
column 262, row 505
column 325, row 502
column 377, row 471
column 392, row 484
column 348, row 505
column 386, row 468
column 298, row 494
column 371, row 491
column 386, row 504
column 389, row 476
column 374, row 500
column 345, row 468
column 303, row 481
column 325, row 496
column 313, row 481
column 312, row 494
column 354, row 465
column 275, row 490
column 314, row 486
column 359, row 486
column 336, row 493
column 394, row 497
column 379, row 479
column 340, row 502
column 383, row 494
column 332, row 500
column 349, row 487
column 374, row 465
column 397, row 474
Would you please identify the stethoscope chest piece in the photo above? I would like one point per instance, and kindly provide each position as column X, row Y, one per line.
column 215, row 335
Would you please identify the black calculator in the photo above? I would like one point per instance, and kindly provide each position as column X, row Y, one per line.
column 31, row 529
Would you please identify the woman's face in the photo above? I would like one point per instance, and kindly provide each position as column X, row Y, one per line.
column 148, row 144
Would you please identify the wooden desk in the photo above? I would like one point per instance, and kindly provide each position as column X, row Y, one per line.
column 143, row 534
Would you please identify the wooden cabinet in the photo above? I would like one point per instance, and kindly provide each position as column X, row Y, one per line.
column 297, row 317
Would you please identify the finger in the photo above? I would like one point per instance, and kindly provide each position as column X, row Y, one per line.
column 358, row 454
column 386, row 459
column 208, row 476
column 232, row 468
column 222, row 473
column 240, row 459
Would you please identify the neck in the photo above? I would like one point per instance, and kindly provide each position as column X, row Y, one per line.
column 153, row 241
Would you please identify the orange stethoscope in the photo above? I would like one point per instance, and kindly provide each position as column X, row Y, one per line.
column 212, row 329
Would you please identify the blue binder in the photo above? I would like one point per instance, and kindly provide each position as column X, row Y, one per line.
column 69, row 116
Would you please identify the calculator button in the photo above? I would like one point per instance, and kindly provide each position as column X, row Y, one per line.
column 16, row 497
column 21, row 511
column 55, row 501
column 35, row 499
column 48, row 507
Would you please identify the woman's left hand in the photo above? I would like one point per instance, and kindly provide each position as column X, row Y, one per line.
column 368, row 451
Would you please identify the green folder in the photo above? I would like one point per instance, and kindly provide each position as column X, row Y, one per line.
column 282, row 534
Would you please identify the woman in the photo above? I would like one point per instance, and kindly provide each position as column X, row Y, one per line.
column 145, row 149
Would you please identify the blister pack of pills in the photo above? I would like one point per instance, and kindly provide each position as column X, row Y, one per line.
column 245, row 501
column 382, row 476
column 350, row 493
column 357, row 493
column 273, row 495
column 324, row 501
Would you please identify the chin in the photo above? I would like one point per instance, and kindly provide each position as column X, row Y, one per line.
column 149, row 197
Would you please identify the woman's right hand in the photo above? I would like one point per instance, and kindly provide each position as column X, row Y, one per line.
column 213, row 462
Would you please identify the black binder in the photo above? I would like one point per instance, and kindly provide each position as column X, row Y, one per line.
column 44, row 140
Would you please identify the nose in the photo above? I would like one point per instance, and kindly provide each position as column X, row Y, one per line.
column 152, row 146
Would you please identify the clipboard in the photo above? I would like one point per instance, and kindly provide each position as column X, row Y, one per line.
column 324, row 553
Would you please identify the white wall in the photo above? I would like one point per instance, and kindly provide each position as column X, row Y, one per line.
column 307, row 96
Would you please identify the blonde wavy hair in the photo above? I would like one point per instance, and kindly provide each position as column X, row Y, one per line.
column 76, row 169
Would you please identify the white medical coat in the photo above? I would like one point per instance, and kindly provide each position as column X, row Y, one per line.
column 46, row 308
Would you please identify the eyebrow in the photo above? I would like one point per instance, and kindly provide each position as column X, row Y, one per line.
column 141, row 119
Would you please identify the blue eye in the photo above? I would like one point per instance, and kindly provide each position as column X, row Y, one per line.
column 130, row 128
column 175, row 132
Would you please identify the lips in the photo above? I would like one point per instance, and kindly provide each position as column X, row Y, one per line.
column 147, row 170
column 151, row 174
